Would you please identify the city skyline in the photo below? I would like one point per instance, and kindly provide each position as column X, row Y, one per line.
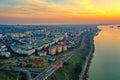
column 59, row 12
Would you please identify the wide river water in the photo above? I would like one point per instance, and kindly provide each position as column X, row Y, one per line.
column 105, row 64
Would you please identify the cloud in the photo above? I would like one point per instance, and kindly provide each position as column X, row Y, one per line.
column 50, row 8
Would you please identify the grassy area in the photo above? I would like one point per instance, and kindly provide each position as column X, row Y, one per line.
column 9, row 75
column 58, row 73
column 43, row 65
column 5, row 75
column 73, row 66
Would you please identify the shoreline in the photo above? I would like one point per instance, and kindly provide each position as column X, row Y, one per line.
column 86, row 65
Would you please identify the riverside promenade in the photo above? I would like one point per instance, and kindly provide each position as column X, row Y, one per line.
column 83, row 74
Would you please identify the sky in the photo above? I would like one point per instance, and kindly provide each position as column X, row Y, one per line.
column 59, row 11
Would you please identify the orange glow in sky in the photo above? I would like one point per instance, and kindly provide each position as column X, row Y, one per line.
column 59, row 11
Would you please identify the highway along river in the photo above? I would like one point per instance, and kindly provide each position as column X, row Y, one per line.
column 105, row 64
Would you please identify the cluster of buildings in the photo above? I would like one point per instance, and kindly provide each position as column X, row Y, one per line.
column 38, row 41
column 4, row 51
column 36, row 46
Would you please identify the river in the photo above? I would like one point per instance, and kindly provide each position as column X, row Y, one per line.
column 105, row 64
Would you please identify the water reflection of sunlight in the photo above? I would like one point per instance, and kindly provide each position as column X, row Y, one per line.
column 107, row 55
column 111, row 35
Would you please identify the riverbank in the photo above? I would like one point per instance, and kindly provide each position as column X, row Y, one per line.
column 86, row 64
column 72, row 68
column 105, row 63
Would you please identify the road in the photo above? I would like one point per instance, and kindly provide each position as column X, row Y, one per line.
column 50, row 70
